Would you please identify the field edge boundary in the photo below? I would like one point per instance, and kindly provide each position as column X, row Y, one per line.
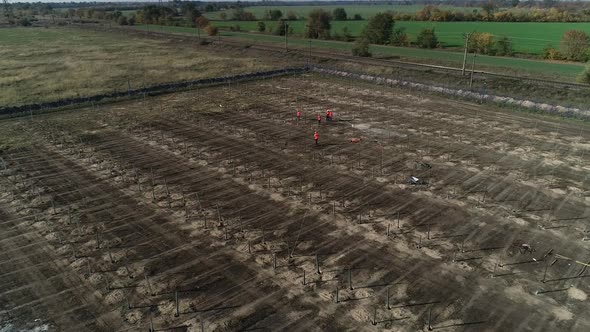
column 562, row 111
column 36, row 108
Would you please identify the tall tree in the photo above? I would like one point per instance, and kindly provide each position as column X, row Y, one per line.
column 399, row 37
column 237, row 14
column 189, row 11
column 202, row 22
column 276, row 14
column 361, row 47
column 281, row 28
column 481, row 42
column 318, row 24
column 339, row 14
column 504, row 46
column 489, row 8
column 273, row 14
column 427, row 38
column 379, row 28
column 574, row 45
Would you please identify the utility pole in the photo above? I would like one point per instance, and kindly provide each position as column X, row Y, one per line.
column 286, row 40
column 472, row 70
column 309, row 56
column 465, row 53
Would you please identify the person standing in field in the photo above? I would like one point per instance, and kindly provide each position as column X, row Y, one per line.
column 298, row 116
column 319, row 119
column 331, row 115
column 328, row 115
column 316, row 137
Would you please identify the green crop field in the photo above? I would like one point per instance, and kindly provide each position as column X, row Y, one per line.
column 129, row 12
column 364, row 10
column 529, row 37
column 38, row 64
column 534, row 68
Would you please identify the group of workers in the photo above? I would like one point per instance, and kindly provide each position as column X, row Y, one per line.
column 329, row 118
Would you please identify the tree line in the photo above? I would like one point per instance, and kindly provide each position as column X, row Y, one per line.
column 490, row 11
column 380, row 30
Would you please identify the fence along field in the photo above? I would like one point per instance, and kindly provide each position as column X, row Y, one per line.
column 213, row 209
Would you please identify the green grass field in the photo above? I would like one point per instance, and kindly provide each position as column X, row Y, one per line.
column 365, row 11
column 534, row 68
column 129, row 12
column 38, row 64
column 529, row 38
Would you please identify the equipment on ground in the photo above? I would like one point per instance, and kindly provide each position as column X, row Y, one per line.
column 416, row 181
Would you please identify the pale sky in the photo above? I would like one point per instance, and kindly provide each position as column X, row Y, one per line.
column 50, row 1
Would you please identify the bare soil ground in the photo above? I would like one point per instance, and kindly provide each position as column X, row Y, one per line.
column 214, row 210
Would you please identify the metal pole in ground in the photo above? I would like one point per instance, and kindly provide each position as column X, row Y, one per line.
column 317, row 264
column 309, row 56
column 218, row 214
column 97, row 240
column 149, row 286
column 375, row 317
column 286, row 38
column 465, row 53
column 472, row 70
column 177, row 313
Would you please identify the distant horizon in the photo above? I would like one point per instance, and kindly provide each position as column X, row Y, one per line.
column 140, row 1
column 131, row 1
column 156, row 1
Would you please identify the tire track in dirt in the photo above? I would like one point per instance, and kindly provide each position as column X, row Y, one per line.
column 156, row 232
column 60, row 300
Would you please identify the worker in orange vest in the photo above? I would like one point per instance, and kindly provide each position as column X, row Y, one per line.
column 298, row 116
column 319, row 119
column 316, row 137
